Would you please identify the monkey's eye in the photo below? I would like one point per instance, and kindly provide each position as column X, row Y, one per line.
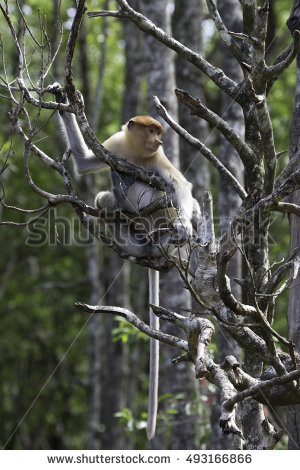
column 151, row 131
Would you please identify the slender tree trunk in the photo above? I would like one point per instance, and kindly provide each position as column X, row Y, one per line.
column 159, row 69
column 160, row 73
column 293, row 416
column 256, row 245
column 57, row 64
column 95, row 327
column 115, row 356
column 119, row 363
column 58, row 69
column 98, row 93
column 132, row 99
column 95, row 324
column 229, row 201
column 20, row 30
column 186, row 27
column 84, row 67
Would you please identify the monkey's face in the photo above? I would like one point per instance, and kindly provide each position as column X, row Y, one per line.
column 152, row 139
column 144, row 138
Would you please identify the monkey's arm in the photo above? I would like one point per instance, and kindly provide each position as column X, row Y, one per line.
column 183, row 199
column 186, row 204
column 85, row 160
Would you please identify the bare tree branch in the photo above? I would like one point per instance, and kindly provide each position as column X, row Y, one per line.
column 291, row 184
column 262, row 387
column 134, row 320
column 197, row 108
column 290, row 168
column 224, row 33
column 203, row 149
column 274, row 71
column 225, row 293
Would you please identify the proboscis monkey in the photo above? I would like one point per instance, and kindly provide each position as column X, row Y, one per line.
column 140, row 143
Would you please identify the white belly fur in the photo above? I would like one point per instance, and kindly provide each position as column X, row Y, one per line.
column 140, row 195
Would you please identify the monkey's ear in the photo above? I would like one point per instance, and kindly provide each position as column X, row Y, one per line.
column 130, row 125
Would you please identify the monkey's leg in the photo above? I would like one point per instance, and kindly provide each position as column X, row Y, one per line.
column 120, row 185
column 126, row 233
column 105, row 200
column 123, row 231
column 154, row 355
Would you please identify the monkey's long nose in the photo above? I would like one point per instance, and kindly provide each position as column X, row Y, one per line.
column 159, row 141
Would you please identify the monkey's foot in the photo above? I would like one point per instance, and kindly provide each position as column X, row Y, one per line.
column 58, row 92
column 183, row 232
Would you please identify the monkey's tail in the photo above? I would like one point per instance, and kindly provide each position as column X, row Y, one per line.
column 154, row 355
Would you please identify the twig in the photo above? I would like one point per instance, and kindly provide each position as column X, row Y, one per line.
column 29, row 222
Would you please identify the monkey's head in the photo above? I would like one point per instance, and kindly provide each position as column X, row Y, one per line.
column 145, row 133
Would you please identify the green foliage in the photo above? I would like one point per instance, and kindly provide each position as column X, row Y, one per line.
column 43, row 346
column 126, row 331
column 126, row 420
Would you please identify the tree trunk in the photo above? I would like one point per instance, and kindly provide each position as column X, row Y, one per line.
column 98, row 93
column 95, row 328
column 186, row 26
column 95, row 325
column 114, row 397
column 293, row 416
column 229, row 201
column 160, row 74
column 132, row 99
column 159, row 70
column 84, row 67
column 57, row 64
column 118, row 360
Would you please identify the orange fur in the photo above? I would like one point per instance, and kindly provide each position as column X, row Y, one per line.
column 147, row 121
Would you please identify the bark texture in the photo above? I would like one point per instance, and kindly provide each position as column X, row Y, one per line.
column 293, row 415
